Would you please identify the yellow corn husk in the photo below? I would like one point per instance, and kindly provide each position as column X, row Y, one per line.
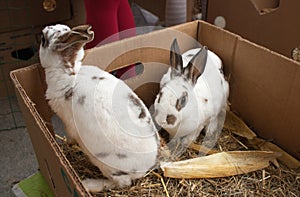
column 237, row 126
column 202, row 149
column 284, row 158
column 221, row 164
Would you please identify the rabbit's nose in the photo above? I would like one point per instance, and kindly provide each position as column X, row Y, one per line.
column 171, row 119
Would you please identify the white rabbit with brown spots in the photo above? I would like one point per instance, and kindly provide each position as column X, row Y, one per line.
column 192, row 96
column 101, row 113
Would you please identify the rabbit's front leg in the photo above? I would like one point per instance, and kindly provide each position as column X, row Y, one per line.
column 97, row 185
column 192, row 137
column 214, row 129
column 123, row 179
column 71, row 136
column 179, row 145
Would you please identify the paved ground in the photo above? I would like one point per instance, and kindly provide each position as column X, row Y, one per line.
column 17, row 159
column 17, row 155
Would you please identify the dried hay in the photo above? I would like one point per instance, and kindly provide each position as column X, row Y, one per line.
column 296, row 54
column 274, row 180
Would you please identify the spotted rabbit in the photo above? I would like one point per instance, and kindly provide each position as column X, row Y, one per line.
column 192, row 96
column 100, row 112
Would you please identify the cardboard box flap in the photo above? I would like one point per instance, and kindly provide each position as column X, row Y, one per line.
column 264, row 89
column 148, row 80
column 263, row 85
column 33, row 96
column 265, row 6
column 220, row 41
column 53, row 164
column 152, row 50
column 142, row 48
column 271, row 23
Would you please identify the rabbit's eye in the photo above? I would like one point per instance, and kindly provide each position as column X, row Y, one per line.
column 181, row 102
column 43, row 40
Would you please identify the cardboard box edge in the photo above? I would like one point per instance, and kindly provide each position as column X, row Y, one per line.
column 65, row 164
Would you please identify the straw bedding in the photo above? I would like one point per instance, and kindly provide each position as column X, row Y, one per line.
column 271, row 181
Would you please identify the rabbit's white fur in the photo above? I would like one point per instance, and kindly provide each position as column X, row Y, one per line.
column 206, row 100
column 100, row 112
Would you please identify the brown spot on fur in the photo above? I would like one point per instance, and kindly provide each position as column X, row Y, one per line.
column 95, row 77
column 102, row 154
column 135, row 100
column 69, row 54
column 171, row 119
column 148, row 120
column 142, row 114
column 121, row 155
column 138, row 103
column 81, row 100
column 221, row 70
column 119, row 173
column 69, row 93
column 71, row 42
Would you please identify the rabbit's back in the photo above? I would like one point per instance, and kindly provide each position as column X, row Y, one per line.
column 212, row 87
column 111, row 119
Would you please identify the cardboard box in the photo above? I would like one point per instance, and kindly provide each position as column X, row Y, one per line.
column 264, row 90
column 17, row 49
column 15, row 15
column 270, row 23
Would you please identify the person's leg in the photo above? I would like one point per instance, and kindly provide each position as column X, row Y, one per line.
column 102, row 15
column 126, row 27
column 125, row 17
column 107, row 18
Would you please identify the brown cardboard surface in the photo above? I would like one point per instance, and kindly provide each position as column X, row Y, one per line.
column 263, row 89
column 263, row 94
column 270, row 23
column 19, row 39
column 16, row 15
column 17, row 49
column 53, row 164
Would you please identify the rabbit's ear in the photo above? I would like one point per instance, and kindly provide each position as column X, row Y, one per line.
column 85, row 30
column 196, row 65
column 175, row 59
column 77, row 37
